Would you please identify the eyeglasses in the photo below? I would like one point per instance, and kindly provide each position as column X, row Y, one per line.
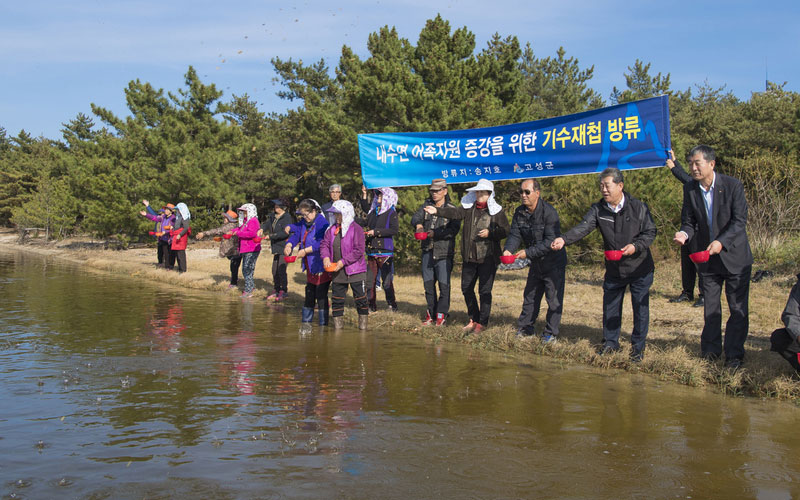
column 526, row 192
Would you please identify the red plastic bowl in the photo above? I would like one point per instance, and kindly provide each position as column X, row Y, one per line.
column 257, row 239
column 227, row 236
column 507, row 259
column 331, row 268
column 217, row 238
column 700, row 257
column 290, row 258
column 613, row 254
column 421, row 236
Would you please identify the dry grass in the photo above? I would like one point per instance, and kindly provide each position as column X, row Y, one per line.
column 673, row 343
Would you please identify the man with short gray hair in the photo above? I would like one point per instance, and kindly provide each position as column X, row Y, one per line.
column 335, row 192
column 714, row 223
column 628, row 231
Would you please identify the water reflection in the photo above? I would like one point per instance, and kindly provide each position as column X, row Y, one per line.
column 114, row 388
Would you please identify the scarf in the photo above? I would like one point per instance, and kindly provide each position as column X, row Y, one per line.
column 183, row 210
column 346, row 208
column 250, row 211
column 387, row 202
column 469, row 199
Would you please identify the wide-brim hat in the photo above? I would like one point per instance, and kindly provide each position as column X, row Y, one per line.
column 230, row 215
column 333, row 210
column 168, row 206
column 483, row 185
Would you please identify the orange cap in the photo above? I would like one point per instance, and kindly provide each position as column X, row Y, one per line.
column 231, row 215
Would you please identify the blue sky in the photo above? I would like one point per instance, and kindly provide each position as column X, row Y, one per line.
column 58, row 57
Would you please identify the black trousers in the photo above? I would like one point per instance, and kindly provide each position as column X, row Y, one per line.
column 613, row 293
column 549, row 284
column 163, row 252
column 167, row 255
column 279, row 279
column 172, row 256
column 688, row 274
column 235, row 263
column 180, row 256
column 317, row 294
column 483, row 274
column 737, row 291
column 339, row 294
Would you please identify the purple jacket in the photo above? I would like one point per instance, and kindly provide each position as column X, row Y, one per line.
column 315, row 235
column 161, row 221
column 352, row 248
column 246, row 232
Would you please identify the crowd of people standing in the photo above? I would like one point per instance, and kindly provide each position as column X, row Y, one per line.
column 338, row 251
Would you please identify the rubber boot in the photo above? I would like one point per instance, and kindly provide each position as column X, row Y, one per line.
column 323, row 317
column 307, row 316
column 338, row 322
column 362, row 321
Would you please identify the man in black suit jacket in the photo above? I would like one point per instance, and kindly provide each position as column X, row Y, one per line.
column 714, row 219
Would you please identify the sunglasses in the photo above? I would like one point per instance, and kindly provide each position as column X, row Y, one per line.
column 526, row 192
column 436, row 190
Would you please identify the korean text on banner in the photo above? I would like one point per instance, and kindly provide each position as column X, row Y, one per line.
column 627, row 136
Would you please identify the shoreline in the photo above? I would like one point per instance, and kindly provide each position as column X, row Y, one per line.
column 672, row 352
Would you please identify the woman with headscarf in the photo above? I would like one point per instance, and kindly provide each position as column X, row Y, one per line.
column 249, row 245
column 307, row 235
column 342, row 252
column 180, row 235
column 228, row 248
column 485, row 225
column 380, row 225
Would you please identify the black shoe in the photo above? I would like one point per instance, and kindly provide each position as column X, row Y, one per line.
column 700, row 302
column 709, row 356
column 683, row 297
column 637, row 355
column 733, row 364
column 607, row 349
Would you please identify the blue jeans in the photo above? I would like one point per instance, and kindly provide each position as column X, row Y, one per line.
column 436, row 271
column 613, row 293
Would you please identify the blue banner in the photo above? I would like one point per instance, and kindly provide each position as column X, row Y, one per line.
column 627, row 136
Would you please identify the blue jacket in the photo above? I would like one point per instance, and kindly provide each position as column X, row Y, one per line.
column 310, row 237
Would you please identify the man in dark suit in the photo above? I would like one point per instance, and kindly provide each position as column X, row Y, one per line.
column 714, row 219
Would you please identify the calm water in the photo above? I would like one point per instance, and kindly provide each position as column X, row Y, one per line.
column 113, row 388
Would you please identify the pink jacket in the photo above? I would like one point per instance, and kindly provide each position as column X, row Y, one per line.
column 246, row 232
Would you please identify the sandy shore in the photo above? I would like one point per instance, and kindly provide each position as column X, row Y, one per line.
column 673, row 341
